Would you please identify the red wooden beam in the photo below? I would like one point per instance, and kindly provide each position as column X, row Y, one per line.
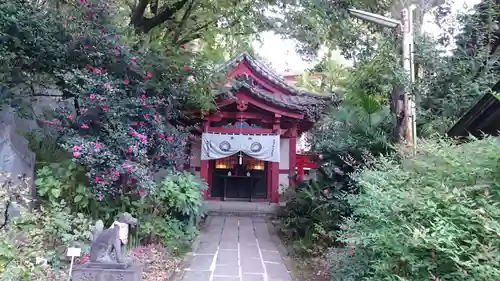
column 239, row 115
column 288, row 113
column 239, row 130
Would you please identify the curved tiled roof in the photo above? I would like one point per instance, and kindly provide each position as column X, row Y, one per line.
column 268, row 74
column 310, row 106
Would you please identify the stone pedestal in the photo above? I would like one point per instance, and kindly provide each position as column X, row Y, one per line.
column 106, row 272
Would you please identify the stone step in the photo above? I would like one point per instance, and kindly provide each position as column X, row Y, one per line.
column 234, row 208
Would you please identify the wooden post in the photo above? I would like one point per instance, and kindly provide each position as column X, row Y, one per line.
column 275, row 166
column 204, row 166
column 300, row 171
column 292, row 153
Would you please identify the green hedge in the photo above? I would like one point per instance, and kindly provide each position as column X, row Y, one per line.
column 434, row 216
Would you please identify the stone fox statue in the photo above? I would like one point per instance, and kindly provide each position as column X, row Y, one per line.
column 106, row 242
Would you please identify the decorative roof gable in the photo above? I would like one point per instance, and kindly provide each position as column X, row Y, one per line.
column 268, row 74
column 249, row 76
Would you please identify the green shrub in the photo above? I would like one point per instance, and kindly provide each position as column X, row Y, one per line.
column 180, row 193
column 174, row 235
column 32, row 247
column 65, row 181
column 434, row 214
column 169, row 215
column 311, row 218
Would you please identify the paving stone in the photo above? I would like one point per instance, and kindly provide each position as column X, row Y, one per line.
column 201, row 262
column 197, row 276
column 277, row 271
column 229, row 245
column 245, row 240
column 249, row 265
column 227, row 270
column 240, row 244
column 227, row 257
column 210, row 237
column 249, row 251
column 252, row 277
column 207, row 248
column 273, row 256
column 258, row 219
column 267, row 246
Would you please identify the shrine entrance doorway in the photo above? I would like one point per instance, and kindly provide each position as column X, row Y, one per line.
column 239, row 177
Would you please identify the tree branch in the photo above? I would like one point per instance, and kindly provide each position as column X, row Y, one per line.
column 144, row 24
column 183, row 21
column 199, row 34
column 5, row 215
column 138, row 11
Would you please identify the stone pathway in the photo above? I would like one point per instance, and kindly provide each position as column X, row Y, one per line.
column 236, row 249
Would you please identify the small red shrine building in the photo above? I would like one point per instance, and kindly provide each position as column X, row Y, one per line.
column 248, row 148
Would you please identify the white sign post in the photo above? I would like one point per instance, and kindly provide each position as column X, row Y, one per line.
column 73, row 252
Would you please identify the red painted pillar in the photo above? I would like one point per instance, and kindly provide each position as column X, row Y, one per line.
column 204, row 166
column 300, row 171
column 269, row 176
column 275, row 166
column 275, row 198
column 204, row 170
column 292, row 162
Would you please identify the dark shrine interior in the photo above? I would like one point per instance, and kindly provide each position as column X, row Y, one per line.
column 234, row 181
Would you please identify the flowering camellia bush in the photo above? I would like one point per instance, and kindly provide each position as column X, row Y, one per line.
column 120, row 110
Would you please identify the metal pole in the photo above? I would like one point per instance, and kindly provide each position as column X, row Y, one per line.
column 409, row 99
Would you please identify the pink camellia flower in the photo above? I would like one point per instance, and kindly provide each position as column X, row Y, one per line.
column 325, row 190
column 116, row 174
column 126, row 81
column 146, row 116
column 162, row 135
column 130, row 149
column 97, row 71
column 92, row 96
column 76, row 147
column 84, row 126
column 98, row 146
column 86, row 46
column 96, row 180
column 107, row 86
column 143, row 138
column 133, row 133
column 105, row 107
column 133, row 58
column 99, row 197
column 69, row 116
column 170, row 138
column 76, row 154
